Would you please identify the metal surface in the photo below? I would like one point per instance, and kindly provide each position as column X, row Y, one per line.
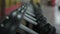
column 30, row 13
column 27, row 29
column 31, row 21
column 30, row 17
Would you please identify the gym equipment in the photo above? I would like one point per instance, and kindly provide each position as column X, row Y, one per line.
column 13, row 21
column 27, row 29
column 37, row 19
column 42, row 26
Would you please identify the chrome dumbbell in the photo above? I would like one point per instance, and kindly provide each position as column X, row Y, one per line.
column 28, row 17
column 27, row 29
column 27, row 12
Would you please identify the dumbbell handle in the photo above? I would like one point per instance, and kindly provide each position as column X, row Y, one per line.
column 27, row 29
column 31, row 21
column 30, row 17
column 30, row 13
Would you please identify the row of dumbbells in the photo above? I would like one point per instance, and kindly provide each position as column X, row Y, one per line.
column 39, row 21
column 43, row 26
column 13, row 20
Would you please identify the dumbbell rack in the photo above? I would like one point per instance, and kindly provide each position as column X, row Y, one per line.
column 14, row 20
column 30, row 20
column 18, row 15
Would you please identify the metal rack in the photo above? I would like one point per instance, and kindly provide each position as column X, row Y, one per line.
column 13, row 21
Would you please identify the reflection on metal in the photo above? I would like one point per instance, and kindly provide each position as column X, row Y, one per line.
column 30, row 17
column 27, row 29
column 30, row 13
column 29, row 20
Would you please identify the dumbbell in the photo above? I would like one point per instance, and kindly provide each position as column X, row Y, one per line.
column 43, row 24
column 34, row 19
column 12, row 21
column 25, row 28
column 29, row 13
column 7, row 25
column 14, row 18
column 31, row 21
column 28, row 17
column 21, row 26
